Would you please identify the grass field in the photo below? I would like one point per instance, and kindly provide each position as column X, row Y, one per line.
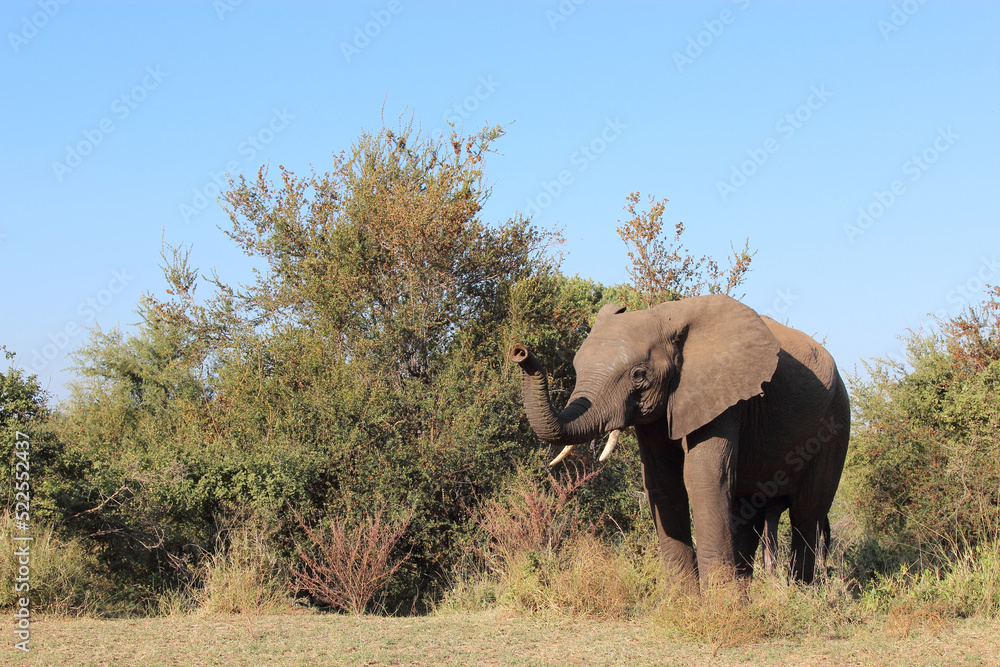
column 481, row 638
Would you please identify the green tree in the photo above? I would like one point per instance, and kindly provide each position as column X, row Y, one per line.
column 924, row 463
column 365, row 366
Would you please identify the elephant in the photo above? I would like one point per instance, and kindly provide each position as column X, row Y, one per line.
column 737, row 417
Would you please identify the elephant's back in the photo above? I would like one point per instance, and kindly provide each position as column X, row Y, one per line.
column 804, row 403
column 801, row 348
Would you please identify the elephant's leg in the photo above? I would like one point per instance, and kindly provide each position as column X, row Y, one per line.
column 746, row 539
column 663, row 480
column 752, row 528
column 772, row 515
column 806, row 543
column 709, row 473
column 810, row 507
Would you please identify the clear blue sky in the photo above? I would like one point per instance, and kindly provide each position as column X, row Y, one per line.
column 776, row 121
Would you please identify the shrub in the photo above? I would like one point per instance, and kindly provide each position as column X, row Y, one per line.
column 532, row 518
column 366, row 364
column 923, row 470
column 62, row 577
column 538, row 552
column 343, row 565
column 244, row 575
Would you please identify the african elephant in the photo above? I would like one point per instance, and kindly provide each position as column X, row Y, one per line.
column 737, row 417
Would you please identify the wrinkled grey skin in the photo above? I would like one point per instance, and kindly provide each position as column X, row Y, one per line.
column 738, row 418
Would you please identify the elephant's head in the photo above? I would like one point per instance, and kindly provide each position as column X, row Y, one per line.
column 687, row 360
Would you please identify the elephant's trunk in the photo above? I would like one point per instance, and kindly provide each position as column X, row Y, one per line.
column 573, row 425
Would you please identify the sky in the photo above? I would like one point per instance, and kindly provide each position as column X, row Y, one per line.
column 854, row 144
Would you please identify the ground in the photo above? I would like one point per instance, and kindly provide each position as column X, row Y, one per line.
column 478, row 639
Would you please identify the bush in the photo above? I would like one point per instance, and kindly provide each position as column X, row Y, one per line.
column 63, row 574
column 537, row 552
column 343, row 565
column 923, row 471
column 244, row 575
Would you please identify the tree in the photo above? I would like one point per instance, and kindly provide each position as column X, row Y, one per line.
column 924, row 466
column 662, row 270
column 21, row 399
column 386, row 254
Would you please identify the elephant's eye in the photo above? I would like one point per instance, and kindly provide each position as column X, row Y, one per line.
column 639, row 378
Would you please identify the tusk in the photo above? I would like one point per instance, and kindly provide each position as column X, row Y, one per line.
column 610, row 446
column 563, row 454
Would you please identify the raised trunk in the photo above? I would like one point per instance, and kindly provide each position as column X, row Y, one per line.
column 575, row 424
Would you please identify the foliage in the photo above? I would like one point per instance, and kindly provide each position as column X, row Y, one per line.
column 24, row 415
column 662, row 270
column 539, row 552
column 344, row 565
column 63, row 578
column 244, row 574
column 531, row 518
column 365, row 367
column 966, row 586
column 21, row 398
column 924, row 467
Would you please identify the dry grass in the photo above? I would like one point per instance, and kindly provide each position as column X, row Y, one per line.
column 586, row 577
column 540, row 555
column 771, row 608
column 493, row 637
column 61, row 571
column 243, row 576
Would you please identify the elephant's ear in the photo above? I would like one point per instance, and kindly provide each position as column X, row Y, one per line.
column 726, row 353
column 607, row 310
